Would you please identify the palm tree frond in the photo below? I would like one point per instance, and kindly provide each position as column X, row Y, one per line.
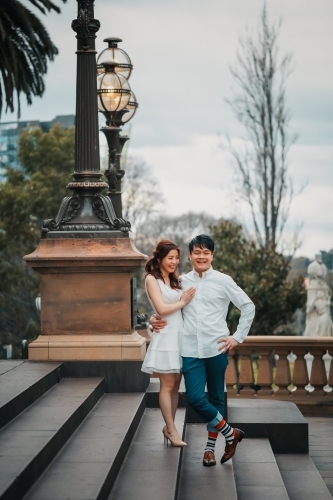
column 25, row 50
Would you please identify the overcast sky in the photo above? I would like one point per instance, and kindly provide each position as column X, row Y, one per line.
column 181, row 51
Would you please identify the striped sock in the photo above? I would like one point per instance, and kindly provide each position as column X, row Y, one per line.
column 226, row 430
column 210, row 446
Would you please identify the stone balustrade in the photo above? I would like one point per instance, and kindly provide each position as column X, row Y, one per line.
column 298, row 369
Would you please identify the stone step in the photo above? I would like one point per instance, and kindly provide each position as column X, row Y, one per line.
column 301, row 478
column 30, row 441
column 198, row 482
column 321, row 447
column 87, row 466
column 279, row 421
column 151, row 468
column 7, row 365
column 22, row 383
column 256, row 472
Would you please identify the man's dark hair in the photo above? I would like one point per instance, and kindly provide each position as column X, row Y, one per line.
column 201, row 241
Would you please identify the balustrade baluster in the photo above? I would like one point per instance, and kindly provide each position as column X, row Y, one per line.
column 246, row 378
column 318, row 373
column 304, row 376
column 265, row 376
column 282, row 374
column 300, row 376
column 327, row 358
column 330, row 377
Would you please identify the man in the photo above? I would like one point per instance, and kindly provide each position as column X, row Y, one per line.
column 206, row 342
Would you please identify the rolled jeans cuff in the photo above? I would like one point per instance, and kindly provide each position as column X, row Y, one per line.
column 211, row 426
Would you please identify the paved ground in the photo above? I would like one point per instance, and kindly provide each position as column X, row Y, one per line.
column 321, row 447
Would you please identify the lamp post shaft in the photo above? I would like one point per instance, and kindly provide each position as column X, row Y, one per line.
column 86, row 140
column 86, row 132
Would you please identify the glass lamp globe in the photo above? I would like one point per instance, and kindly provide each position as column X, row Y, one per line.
column 115, row 55
column 113, row 91
column 131, row 108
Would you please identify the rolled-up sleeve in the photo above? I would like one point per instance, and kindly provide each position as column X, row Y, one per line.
column 243, row 302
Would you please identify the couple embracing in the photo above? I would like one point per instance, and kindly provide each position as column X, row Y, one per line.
column 191, row 338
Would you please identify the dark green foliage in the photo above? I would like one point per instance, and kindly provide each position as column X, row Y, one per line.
column 263, row 275
column 328, row 259
column 28, row 197
column 25, row 48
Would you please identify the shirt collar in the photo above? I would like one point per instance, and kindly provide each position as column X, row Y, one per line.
column 205, row 274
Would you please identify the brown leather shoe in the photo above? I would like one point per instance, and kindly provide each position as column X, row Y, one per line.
column 208, row 459
column 230, row 448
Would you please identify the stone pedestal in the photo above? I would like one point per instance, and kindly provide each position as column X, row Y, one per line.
column 86, row 299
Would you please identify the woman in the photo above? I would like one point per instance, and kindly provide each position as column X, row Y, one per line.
column 163, row 357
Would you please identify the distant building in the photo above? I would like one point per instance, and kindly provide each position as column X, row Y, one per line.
column 10, row 133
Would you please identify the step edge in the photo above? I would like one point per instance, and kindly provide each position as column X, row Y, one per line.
column 24, row 481
column 11, row 409
column 118, row 461
column 173, row 482
column 275, row 463
column 273, row 432
column 180, row 458
column 315, row 470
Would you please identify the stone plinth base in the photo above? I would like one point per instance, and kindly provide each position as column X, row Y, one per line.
column 88, row 347
column 87, row 306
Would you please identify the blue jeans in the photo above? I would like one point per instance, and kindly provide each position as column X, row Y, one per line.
column 199, row 372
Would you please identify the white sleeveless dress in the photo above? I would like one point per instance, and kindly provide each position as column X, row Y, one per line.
column 163, row 354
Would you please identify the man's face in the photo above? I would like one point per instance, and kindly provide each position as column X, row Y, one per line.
column 201, row 259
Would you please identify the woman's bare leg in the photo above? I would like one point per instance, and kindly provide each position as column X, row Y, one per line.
column 167, row 398
column 175, row 394
column 167, row 383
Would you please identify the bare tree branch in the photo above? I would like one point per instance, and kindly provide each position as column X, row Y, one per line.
column 142, row 197
column 260, row 105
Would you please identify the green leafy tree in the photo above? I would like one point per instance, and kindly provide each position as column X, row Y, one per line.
column 25, row 48
column 263, row 275
column 27, row 197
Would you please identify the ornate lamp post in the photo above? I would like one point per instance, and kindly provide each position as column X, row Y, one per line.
column 85, row 257
column 87, row 208
column 118, row 104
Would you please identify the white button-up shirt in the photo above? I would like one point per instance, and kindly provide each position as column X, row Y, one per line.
column 205, row 316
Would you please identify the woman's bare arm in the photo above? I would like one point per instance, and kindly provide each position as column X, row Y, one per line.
column 156, row 297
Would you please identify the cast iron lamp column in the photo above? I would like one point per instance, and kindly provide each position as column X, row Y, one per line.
column 85, row 257
column 87, row 209
column 86, row 135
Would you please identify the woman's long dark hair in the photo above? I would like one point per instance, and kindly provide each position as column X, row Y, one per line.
column 153, row 264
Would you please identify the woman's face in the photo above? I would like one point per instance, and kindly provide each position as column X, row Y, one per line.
column 170, row 262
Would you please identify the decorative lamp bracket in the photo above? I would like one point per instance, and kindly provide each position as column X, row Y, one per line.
column 85, row 25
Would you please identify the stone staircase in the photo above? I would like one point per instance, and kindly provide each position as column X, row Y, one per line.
column 66, row 438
